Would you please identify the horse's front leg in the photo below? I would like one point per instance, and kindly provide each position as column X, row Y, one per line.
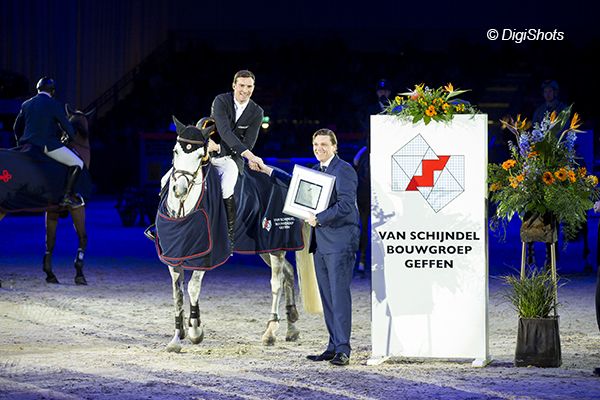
column 276, row 264
column 51, row 223
column 291, row 311
column 177, row 280
column 195, row 330
column 78, row 215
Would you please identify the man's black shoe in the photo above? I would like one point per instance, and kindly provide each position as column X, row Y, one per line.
column 340, row 359
column 325, row 356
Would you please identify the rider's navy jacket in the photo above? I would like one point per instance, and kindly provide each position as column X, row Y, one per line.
column 238, row 136
column 38, row 122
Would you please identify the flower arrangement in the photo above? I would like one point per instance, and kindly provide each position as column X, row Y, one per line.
column 424, row 103
column 542, row 176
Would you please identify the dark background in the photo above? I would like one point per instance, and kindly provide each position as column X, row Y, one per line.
column 137, row 63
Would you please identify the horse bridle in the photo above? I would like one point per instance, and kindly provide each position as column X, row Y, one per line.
column 189, row 177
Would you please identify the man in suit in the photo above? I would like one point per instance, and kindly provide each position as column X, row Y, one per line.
column 39, row 123
column 334, row 241
column 238, row 119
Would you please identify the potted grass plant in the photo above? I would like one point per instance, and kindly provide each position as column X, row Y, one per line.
column 534, row 298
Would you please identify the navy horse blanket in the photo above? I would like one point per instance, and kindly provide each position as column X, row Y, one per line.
column 199, row 240
column 30, row 181
column 261, row 226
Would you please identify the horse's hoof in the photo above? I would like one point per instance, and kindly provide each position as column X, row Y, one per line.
column 292, row 313
column 80, row 280
column 173, row 348
column 268, row 340
column 52, row 279
column 292, row 335
column 195, row 331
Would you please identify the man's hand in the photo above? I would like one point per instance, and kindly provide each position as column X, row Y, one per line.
column 254, row 162
column 312, row 220
column 261, row 168
column 213, row 147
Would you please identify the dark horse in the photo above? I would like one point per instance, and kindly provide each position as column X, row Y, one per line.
column 30, row 181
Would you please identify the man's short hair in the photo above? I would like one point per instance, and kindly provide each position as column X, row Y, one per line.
column 244, row 73
column 551, row 84
column 326, row 132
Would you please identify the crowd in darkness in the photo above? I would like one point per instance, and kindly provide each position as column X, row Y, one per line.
column 304, row 85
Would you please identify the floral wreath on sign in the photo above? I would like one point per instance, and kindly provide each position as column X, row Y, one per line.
column 542, row 175
column 424, row 103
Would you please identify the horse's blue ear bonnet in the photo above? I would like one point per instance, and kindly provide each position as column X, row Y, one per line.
column 190, row 137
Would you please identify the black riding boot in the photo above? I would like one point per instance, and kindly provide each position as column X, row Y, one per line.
column 69, row 199
column 231, row 212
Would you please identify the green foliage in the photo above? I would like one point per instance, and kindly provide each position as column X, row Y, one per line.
column 429, row 105
column 532, row 296
column 542, row 176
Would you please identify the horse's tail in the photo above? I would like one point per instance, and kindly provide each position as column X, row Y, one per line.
column 307, row 279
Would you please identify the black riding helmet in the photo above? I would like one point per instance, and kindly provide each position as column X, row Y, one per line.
column 46, row 84
column 208, row 127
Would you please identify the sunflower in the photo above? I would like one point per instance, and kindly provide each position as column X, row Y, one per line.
column 561, row 174
column 430, row 111
column 508, row 164
column 548, row 178
column 495, row 186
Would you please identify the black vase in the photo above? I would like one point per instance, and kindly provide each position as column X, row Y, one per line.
column 539, row 228
column 538, row 343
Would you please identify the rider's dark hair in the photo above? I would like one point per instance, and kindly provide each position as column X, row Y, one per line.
column 244, row 73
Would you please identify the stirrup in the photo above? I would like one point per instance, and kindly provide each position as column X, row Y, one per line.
column 72, row 201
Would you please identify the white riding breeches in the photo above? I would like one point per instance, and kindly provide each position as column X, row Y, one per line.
column 228, row 172
column 64, row 156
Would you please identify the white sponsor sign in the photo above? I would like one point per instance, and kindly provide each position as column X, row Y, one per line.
column 429, row 238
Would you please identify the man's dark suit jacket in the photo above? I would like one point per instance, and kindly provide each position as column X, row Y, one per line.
column 236, row 137
column 38, row 122
column 338, row 229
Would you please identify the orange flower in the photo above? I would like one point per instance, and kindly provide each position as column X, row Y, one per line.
column 533, row 154
column 513, row 182
column 572, row 176
column 575, row 122
column 561, row 174
column 548, row 178
column 508, row 164
column 553, row 116
column 582, row 172
column 520, row 178
column 430, row 111
column 449, row 88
